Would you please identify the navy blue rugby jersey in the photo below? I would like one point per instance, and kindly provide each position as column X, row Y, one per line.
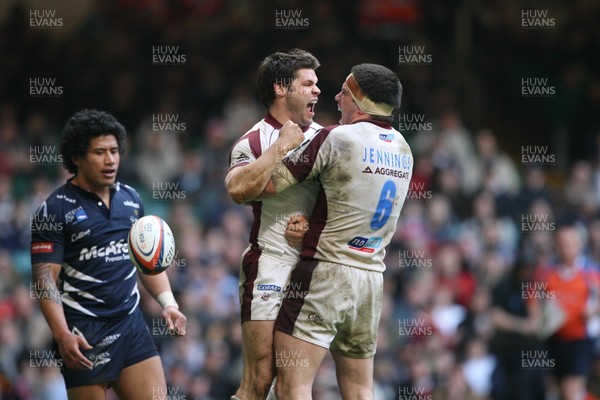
column 74, row 228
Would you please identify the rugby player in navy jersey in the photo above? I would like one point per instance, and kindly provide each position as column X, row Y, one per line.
column 85, row 282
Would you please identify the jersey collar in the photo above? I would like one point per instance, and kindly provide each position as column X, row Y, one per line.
column 381, row 124
column 270, row 119
column 114, row 188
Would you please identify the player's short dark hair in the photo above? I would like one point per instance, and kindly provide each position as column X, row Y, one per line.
column 281, row 67
column 379, row 83
column 81, row 128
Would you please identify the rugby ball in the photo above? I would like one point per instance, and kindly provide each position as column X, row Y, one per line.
column 151, row 245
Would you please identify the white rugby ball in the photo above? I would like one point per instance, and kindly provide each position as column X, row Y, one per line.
column 151, row 245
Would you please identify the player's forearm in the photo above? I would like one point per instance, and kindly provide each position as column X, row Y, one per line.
column 249, row 181
column 49, row 298
column 159, row 288
column 55, row 317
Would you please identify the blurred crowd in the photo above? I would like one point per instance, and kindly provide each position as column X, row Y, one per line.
column 460, row 241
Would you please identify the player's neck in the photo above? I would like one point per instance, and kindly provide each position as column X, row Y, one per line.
column 359, row 116
column 280, row 114
column 101, row 191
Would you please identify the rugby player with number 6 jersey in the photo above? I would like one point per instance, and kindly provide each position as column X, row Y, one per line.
column 83, row 277
column 335, row 292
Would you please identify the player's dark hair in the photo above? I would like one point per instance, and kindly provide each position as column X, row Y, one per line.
column 379, row 83
column 281, row 68
column 81, row 128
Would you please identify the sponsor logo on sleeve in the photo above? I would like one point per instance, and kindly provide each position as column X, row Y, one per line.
column 242, row 158
column 42, row 247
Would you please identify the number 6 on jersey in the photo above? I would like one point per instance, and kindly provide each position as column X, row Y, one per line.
column 384, row 205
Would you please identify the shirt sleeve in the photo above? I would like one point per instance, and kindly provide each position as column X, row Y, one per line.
column 138, row 199
column 47, row 235
column 241, row 153
column 305, row 162
column 282, row 178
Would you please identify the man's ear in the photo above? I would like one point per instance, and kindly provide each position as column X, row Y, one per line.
column 280, row 90
column 359, row 112
column 76, row 160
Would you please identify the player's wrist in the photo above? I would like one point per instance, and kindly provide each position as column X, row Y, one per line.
column 282, row 149
column 60, row 335
column 166, row 299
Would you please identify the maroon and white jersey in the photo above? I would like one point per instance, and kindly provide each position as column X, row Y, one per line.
column 365, row 170
column 272, row 214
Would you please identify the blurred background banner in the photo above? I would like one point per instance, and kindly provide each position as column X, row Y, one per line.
column 501, row 107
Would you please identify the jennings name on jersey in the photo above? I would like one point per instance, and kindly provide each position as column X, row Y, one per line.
column 74, row 228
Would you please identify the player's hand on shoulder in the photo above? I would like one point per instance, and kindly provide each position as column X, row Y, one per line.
column 176, row 321
column 69, row 346
column 296, row 229
column 291, row 136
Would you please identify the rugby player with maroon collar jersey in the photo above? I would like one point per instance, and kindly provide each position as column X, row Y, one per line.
column 287, row 86
column 334, row 297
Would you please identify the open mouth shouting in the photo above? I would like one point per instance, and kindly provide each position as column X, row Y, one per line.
column 310, row 108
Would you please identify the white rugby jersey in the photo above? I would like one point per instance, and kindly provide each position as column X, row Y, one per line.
column 272, row 214
column 365, row 170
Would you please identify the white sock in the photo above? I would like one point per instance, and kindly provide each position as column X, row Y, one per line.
column 271, row 395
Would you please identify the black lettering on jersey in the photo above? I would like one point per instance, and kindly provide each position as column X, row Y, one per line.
column 240, row 159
